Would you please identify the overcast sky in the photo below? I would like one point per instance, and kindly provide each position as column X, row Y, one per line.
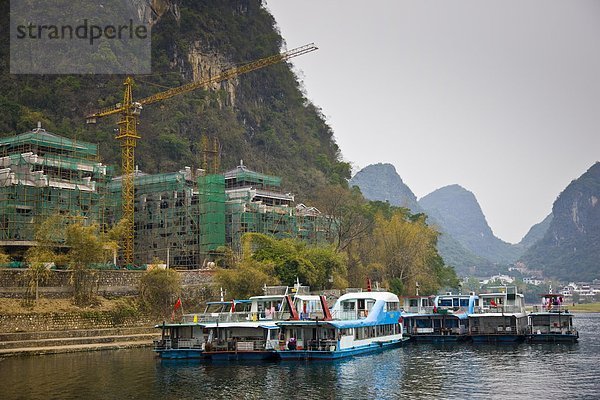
column 500, row 97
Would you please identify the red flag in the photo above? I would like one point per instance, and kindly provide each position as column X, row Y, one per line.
column 368, row 284
column 232, row 306
column 493, row 303
column 177, row 304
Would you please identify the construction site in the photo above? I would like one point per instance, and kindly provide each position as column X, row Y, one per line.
column 180, row 218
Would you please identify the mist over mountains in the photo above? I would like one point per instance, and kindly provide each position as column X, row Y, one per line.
column 565, row 245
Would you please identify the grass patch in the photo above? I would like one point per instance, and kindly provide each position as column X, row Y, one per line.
column 17, row 306
column 585, row 307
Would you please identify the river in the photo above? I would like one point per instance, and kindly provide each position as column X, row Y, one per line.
column 542, row 371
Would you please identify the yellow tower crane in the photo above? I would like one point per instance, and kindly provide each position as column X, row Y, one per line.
column 129, row 111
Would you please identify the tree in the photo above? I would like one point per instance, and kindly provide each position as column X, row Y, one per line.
column 70, row 241
column 406, row 246
column 247, row 278
column 159, row 289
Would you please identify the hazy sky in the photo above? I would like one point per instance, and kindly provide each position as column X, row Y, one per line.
column 501, row 97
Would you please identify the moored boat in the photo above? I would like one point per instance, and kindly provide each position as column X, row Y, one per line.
column 359, row 323
column 551, row 322
column 187, row 338
column 442, row 318
column 499, row 317
column 256, row 336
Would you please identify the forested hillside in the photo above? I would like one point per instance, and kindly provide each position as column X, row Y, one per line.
column 570, row 248
column 262, row 117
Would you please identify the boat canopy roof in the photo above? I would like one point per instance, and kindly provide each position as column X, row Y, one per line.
column 229, row 302
column 386, row 296
column 333, row 324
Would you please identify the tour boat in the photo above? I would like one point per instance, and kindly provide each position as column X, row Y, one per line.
column 245, row 331
column 359, row 322
column 442, row 318
column 499, row 317
column 257, row 336
column 187, row 338
column 551, row 321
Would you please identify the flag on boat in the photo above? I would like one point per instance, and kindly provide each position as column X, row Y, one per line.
column 175, row 307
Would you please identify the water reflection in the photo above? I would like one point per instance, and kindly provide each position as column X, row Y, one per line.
column 549, row 371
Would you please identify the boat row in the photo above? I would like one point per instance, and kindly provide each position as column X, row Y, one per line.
column 292, row 324
column 286, row 323
column 495, row 317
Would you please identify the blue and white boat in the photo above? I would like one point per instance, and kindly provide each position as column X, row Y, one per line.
column 359, row 323
column 187, row 338
column 551, row 322
column 255, row 336
column 442, row 318
column 499, row 317
column 240, row 329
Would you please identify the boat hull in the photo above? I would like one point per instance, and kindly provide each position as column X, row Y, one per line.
column 292, row 355
column 240, row 355
column 497, row 338
column 439, row 338
column 552, row 338
column 172, row 354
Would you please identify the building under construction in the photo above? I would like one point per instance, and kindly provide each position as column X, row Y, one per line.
column 181, row 218
column 42, row 174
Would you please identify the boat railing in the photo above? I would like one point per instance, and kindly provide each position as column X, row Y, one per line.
column 551, row 308
column 436, row 331
column 237, row 345
column 217, row 317
column 188, row 343
column 321, row 345
column 498, row 309
column 419, row 309
column 349, row 315
column 543, row 330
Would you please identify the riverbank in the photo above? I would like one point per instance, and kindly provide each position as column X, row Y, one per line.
column 52, row 326
column 585, row 308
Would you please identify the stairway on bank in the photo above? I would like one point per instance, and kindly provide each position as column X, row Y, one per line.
column 67, row 341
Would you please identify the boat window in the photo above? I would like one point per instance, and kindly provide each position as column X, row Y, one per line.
column 361, row 304
column 392, row 306
column 370, row 304
column 445, row 303
column 413, row 302
column 464, row 302
column 348, row 305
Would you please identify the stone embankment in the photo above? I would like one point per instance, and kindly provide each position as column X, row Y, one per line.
column 51, row 333
column 69, row 341
column 62, row 332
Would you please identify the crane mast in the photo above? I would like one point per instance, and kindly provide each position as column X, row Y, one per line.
column 129, row 112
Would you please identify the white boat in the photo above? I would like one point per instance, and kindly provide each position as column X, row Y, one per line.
column 551, row 321
column 441, row 318
column 360, row 322
column 241, row 329
column 499, row 316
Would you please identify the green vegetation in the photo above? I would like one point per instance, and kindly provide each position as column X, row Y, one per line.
column 570, row 248
column 267, row 120
column 374, row 240
column 159, row 290
column 68, row 242
column 585, row 307
column 263, row 117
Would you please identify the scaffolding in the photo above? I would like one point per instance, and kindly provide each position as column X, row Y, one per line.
column 181, row 217
column 167, row 218
column 211, row 189
column 41, row 175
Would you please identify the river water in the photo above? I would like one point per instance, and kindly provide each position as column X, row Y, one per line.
column 464, row 371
